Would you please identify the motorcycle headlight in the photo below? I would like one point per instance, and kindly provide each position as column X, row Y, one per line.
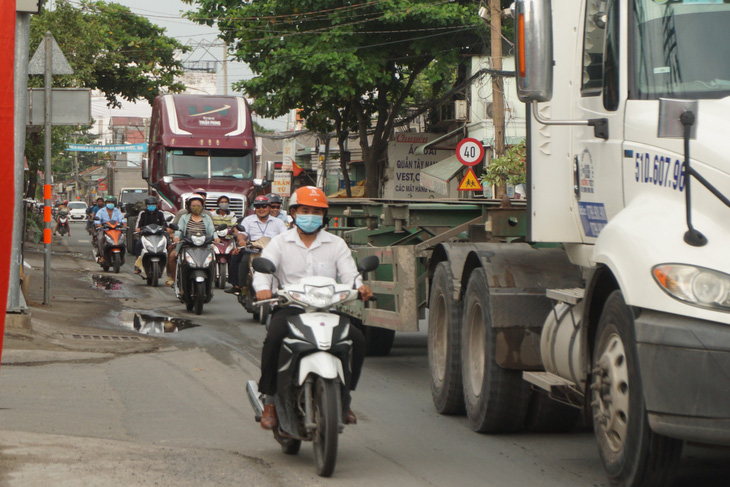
column 121, row 239
column 146, row 242
column 189, row 259
column 198, row 240
column 109, row 239
column 222, row 233
column 161, row 245
column 319, row 297
column 695, row 285
column 208, row 260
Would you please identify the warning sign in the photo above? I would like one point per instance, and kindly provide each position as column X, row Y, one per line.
column 470, row 182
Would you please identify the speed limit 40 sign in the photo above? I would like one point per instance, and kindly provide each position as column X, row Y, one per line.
column 470, row 152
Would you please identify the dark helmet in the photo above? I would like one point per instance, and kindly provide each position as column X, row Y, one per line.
column 260, row 201
column 150, row 200
column 274, row 198
column 111, row 199
column 218, row 202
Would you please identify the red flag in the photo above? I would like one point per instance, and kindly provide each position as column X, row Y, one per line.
column 296, row 170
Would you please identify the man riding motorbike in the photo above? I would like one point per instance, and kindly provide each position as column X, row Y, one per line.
column 146, row 217
column 275, row 206
column 91, row 213
column 62, row 211
column 308, row 250
column 258, row 225
column 107, row 214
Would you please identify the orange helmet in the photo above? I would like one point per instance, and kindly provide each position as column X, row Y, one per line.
column 308, row 196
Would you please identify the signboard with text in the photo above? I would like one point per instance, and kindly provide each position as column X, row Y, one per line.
column 405, row 165
column 281, row 184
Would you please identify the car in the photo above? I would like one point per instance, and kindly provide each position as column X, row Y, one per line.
column 77, row 210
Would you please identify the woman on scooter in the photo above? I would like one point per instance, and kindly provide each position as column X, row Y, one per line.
column 192, row 223
column 62, row 211
column 146, row 217
column 223, row 215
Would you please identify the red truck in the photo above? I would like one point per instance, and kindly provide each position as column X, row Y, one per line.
column 201, row 141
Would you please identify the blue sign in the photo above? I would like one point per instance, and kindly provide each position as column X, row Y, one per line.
column 107, row 148
column 593, row 217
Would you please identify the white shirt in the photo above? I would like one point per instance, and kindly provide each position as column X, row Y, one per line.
column 328, row 256
column 255, row 228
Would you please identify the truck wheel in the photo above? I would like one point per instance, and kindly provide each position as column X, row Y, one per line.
column 444, row 343
column 378, row 341
column 545, row 415
column 131, row 223
column 496, row 399
column 631, row 453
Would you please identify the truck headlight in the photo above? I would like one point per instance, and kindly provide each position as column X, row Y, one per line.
column 695, row 285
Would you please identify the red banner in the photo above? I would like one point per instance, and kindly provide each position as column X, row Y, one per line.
column 7, row 143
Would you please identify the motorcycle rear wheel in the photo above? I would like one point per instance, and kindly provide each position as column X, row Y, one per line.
column 117, row 262
column 199, row 297
column 326, row 416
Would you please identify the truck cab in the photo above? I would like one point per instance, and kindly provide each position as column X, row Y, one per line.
column 201, row 141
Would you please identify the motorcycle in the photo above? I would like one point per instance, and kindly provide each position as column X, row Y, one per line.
column 195, row 271
column 223, row 252
column 62, row 219
column 154, row 252
column 314, row 366
column 254, row 249
column 114, row 246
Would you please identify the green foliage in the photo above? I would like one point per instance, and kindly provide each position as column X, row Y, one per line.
column 509, row 168
column 110, row 49
column 347, row 66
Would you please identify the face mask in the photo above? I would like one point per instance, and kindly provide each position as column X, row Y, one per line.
column 223, row 206
column 151, row 207
column 196, row 210
column 110, row 206
column 309, row 223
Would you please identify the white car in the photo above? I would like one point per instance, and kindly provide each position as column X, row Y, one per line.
column 77, row 210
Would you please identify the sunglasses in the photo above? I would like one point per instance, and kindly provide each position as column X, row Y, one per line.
column 260, row 206
column 276, row 207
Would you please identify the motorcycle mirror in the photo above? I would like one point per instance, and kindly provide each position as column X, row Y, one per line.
column 368, row 264
column 263, row 265
column 220, row 227
column 170, row 218
column 174, row 226
column 240, row 228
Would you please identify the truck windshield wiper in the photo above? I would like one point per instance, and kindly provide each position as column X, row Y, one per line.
column 180, row 174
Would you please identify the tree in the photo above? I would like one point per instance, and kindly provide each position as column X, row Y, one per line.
column 110, row 49
column 358, row 59
column 509, row 168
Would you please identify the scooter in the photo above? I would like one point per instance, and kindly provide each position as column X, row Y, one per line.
column 260, row 312
column 114, row 246
column 195, row 271
column 223, row 252
column 62, row 220
column 314, row 366
column 154, row 252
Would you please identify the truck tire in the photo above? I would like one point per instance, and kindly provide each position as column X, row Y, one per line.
column 444, row 343
column 131, row 223
column 631, row 453
column 496, row 399
column 545, row 415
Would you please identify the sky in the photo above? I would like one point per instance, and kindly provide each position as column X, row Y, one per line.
column 168, row 14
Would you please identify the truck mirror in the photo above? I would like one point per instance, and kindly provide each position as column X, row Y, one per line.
column 258, row 182
column 167, row 179
column 534, row 47
column 269, row 176
column 145, row 169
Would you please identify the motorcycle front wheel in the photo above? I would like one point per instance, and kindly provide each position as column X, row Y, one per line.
column 154, row 275
column 222, row 275
column 326, row 416
column 199, row 297
column 116, row 262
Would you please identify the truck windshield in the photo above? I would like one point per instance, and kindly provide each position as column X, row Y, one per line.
column 209, row 163
column 682, row 49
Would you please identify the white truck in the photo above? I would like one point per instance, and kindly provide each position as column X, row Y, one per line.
column 620, row 93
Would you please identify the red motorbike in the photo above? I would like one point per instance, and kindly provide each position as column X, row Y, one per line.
column 114, row 247
column 223, row 252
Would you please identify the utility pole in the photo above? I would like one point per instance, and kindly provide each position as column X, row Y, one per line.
column 495, row 23
column 76, row 164
column 225, row 68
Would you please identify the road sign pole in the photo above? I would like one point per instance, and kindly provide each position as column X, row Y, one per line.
column 47, row 171
column 22, row 34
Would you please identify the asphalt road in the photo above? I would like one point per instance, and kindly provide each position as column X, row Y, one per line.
column 178, row 413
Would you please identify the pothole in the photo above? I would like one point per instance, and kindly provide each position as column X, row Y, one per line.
column 149, row 324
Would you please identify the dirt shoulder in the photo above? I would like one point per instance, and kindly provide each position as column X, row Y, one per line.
column 80, row 316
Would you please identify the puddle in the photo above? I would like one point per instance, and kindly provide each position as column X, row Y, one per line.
column 155, row 325
column 107, row 283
